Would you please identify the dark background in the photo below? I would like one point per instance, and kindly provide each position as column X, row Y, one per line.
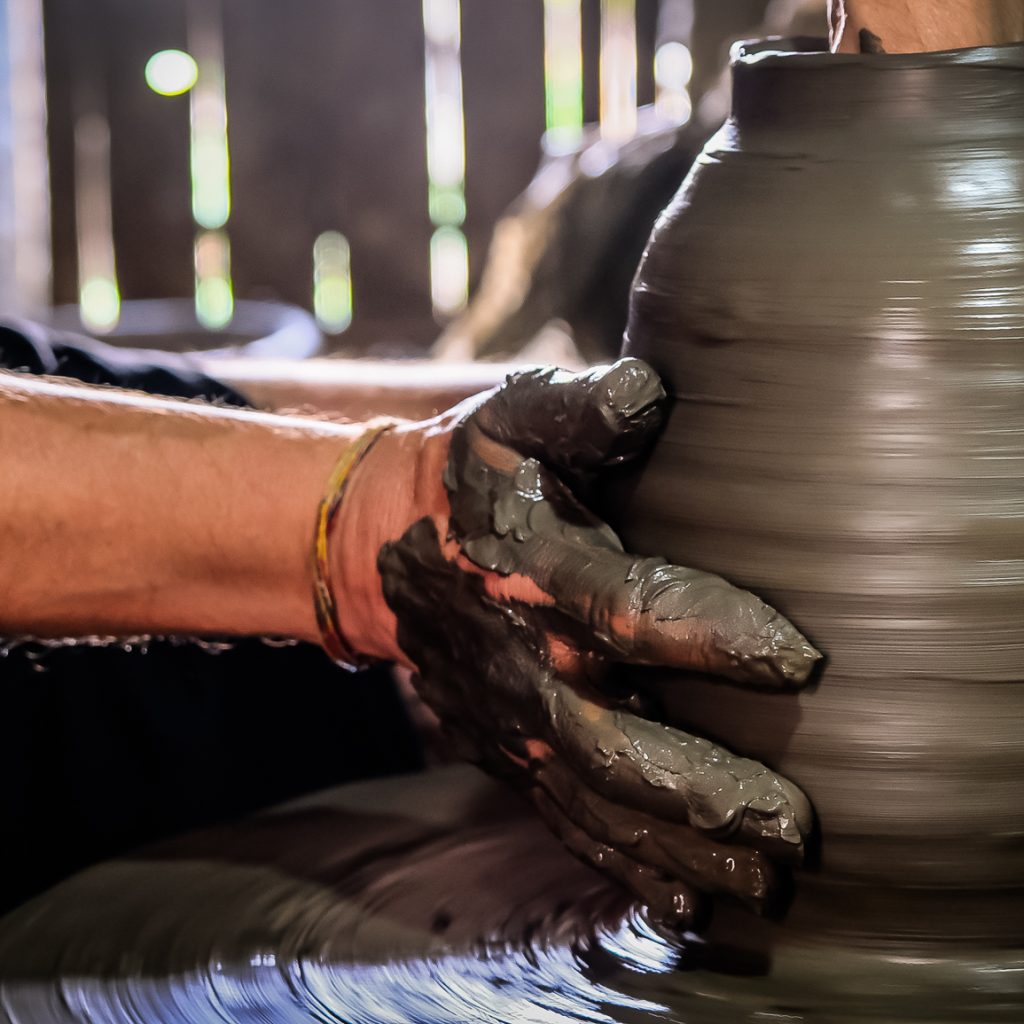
column 326, row 126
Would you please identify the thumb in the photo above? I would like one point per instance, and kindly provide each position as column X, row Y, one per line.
column 576, row 421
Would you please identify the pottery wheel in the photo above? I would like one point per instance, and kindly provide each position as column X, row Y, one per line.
column 430, row 898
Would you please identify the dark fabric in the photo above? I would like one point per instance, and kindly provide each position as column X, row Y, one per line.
column 103, row 748
column 33, row 348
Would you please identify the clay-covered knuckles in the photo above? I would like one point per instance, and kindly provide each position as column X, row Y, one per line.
column 518, row 683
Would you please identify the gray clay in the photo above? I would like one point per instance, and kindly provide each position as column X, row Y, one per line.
column 835, row 301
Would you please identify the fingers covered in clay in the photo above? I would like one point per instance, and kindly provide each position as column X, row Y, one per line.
column 577, row 421
column 645, row 611
column 674, row 850
column 671, row 774
column 650, row 805
column 515, row 516
column 506, row 618
column 667, row 899
column 487, row 670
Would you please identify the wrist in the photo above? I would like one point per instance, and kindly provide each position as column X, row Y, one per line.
column 260, row 564
column 398, row 482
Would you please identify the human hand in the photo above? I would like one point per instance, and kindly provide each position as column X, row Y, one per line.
column 509, row 599
column 907, row 26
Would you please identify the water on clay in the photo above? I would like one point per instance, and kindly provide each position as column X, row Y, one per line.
column 433, row 898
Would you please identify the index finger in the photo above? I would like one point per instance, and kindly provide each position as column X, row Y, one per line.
column 521, row 518
column 647, row 611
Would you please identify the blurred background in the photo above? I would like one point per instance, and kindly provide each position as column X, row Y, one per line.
column 348, row 159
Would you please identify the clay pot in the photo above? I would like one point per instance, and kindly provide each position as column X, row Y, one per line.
column 835, row 298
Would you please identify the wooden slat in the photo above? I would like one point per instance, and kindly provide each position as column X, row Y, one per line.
column 646, row 33
column 61, row 67
column 503, row 83
column 96, row 56
column 149, row 151
column 326, row 118
column 591, row 60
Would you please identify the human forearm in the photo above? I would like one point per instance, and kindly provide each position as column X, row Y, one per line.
column 124, row 514
column 909, row 26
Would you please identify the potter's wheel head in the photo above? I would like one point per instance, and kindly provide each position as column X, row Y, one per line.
column 434, row 898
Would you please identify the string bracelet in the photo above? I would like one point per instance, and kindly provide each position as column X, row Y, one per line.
column 332, row 638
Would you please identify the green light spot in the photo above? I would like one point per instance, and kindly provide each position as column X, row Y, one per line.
column 332, row 282
column 563, row 71
column 215, row 298
column 171, row 72
column 211, row 181
column 447, row 205
column 99, row 303
column 215, row 303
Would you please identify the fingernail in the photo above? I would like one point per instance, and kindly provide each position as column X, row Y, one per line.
column 778, row 821
column 797, row 661
column 781, row 655
column 802, row 812
column 630, row 387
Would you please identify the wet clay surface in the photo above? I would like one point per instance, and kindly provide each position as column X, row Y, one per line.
column 835, row 301
column 431, row 898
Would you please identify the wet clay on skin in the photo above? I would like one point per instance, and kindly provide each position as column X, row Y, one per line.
column 639, row 799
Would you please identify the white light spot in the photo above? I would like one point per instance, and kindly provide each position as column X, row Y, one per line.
column 171, row 72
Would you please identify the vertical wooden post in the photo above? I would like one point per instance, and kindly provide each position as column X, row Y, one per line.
column 24, row 179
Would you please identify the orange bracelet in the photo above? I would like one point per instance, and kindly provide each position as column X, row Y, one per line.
column 332, row 638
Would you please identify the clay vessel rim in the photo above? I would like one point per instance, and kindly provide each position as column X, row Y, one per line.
column 808, row 52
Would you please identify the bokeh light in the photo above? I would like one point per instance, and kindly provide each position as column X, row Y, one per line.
column 618, row 70
column 99, row 296
column 673, row 68
column 449, row 271
column 99, row 303
column 171, row 72
column 332, row 282
column 563, row 73
column 215, row 299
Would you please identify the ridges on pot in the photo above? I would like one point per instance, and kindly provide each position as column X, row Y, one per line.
column 835, row 299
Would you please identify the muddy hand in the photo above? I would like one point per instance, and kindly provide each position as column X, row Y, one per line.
column 510, row 618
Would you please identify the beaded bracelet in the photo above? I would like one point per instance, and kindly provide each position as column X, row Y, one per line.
column 332, row 638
